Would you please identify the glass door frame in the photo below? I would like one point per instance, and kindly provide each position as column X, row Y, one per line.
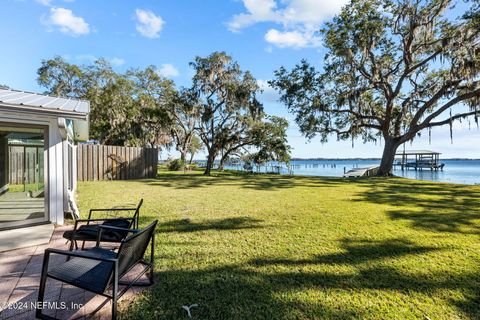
column 46, row 216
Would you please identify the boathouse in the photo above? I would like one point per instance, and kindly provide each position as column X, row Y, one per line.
column 418, row 160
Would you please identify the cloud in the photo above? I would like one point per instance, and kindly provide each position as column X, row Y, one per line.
column 90, row 59
column 258, row 11
column 167, row 70
column 116, row 62
column 67, row 22
column 47, row 3
column 268, row 93
column 299, row 19
column 285, row 39
column 148, row 24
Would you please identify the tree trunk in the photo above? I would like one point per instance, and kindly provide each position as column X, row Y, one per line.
column 191, row 158
column 183, row 155
column 224, row 158
column 210, row 162
column 389, row 150
column 222, row 163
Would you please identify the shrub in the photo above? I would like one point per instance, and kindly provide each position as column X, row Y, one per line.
column 191, row 166
column 175, row 165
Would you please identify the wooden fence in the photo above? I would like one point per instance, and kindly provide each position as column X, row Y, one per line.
column 100, row 162
column 24, row 164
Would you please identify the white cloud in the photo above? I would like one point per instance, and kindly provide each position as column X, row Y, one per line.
column 168, row 70
column 90, row 59
column 48, row 3
column 258, row 11
column 148, row 24
column 67, row 22
column 116, row 62
column 312, row 11
column 294, row 39
column 300, row 19
column 268, row 93
column 45, row 2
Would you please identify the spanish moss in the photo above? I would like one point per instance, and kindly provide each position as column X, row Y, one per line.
column 451, row 127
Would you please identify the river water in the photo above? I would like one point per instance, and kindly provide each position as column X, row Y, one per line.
column 455, row 171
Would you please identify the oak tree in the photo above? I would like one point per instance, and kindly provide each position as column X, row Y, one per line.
column 392, row 69
column 226, row 105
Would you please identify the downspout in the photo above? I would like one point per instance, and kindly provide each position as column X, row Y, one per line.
column 62, row 126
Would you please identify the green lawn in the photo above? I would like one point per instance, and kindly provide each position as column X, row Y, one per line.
column 279, row 247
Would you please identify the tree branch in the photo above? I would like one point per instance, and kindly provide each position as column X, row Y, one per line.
column 439, row 94
column 453, row 118
column 446, row 106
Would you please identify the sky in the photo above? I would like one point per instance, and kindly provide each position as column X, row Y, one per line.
column 261, row 35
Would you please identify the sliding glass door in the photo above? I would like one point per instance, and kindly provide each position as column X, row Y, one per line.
column 22, row 176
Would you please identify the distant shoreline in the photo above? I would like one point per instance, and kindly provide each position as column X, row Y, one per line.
column 351, row 159
column 370, row 159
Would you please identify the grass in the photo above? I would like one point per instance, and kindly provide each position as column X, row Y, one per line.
column 279, row 247
column 24, row 188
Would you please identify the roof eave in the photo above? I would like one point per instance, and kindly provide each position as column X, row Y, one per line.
column 44, row 111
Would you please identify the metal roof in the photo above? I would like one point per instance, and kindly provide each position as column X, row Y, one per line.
column 414, row 152
column 22, row 99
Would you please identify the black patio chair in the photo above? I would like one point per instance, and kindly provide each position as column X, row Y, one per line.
column 89, row 231
column 99, row 270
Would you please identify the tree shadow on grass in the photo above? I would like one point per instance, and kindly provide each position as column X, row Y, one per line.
column 186, row 225
column 248, row 181
column 356, row 252
column 436, row 207
column 226, row 292
column 254, row 290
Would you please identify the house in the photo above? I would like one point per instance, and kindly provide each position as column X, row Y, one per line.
column 37, row 156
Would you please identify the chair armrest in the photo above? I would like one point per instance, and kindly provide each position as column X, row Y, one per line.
column 108, row 210
column 97, row 220
column 77, row 254
column 102, row 227
column 103, row 219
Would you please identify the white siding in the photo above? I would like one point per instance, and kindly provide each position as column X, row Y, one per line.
column 55, row 166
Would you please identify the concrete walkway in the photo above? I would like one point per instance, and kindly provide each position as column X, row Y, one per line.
column 20, row 276
column 25, row 237
column 17, row 206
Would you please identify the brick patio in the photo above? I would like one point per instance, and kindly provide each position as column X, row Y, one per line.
column 20, row 276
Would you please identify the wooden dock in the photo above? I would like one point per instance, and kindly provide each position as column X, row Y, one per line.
column 362, row 172
column 419, row 160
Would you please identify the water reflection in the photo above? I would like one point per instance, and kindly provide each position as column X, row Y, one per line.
column 455, row 171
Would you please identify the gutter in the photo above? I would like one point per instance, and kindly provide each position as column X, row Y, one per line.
column 43, row 111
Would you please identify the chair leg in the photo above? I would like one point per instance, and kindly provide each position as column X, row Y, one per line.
column 115, row 292
column 150, row 276
column 114, row 308
column 152, row 257
column 72, row 243
column 41, row 289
